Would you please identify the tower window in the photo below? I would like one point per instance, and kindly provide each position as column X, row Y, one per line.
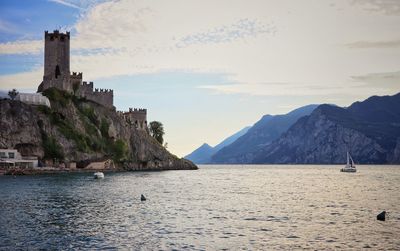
column 57, row 73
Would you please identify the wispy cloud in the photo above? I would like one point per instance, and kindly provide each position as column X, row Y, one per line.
column 22, row 47
column 65, row 3
column 291, row 89
column 388, row 7
column 7, row 27
column 243, row 28
column 25, row 80
column 385, row 80
column 374, row 44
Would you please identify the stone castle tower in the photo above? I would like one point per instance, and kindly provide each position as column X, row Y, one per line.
column 57, row 75
column 56, row 61
column 57, row 71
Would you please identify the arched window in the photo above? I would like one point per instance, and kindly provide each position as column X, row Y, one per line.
column 57, row 73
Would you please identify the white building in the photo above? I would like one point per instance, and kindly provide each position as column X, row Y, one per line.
column 12, row 158
column 33, row 99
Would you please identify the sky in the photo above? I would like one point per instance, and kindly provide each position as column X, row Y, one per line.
column 208, row 68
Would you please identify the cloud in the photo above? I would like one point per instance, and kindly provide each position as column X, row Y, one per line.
column 65, row 3
column 241, row 29
column 230, row 37
column 388, row 7
column 374, row 44
column 384, row 80
column 293, row 89
column 22, row 47
column 7, row 27
column 25, row 80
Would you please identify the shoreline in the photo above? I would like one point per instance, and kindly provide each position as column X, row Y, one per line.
column 37, row 171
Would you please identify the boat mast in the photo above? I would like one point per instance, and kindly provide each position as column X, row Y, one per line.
column 352, row 162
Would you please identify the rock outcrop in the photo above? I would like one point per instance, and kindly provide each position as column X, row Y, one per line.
column 78, row 130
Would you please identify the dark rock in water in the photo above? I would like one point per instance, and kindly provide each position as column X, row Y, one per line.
column 142, row 198
column 381, row 216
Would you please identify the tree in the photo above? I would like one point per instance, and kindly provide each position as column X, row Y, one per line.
column 13, row 93
column 120, row 150
column 156, row 129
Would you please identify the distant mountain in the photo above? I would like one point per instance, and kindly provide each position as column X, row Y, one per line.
column 267, row 129
column 203, row 154
column 370, row 130
column 231, row 139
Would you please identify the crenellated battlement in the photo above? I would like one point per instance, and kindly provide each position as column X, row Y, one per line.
column 56, row 34
column 138, row 110
column 76, row 74
column 97, row 90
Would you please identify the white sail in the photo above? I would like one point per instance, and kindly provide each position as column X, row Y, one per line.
column 352, row 162
column 350, row 167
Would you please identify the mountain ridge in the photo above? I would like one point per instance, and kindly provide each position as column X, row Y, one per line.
column 202, row 155
column 262, row 133
column 369, row 129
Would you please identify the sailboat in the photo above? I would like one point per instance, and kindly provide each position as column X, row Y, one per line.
column 350, row 167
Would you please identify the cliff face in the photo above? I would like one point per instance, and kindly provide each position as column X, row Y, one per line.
column 370, row 130
column 269, row 128
column 77, row 130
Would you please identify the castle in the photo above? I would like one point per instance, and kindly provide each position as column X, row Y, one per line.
column 57, row 75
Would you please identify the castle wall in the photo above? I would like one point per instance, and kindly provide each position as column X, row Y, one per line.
column 137, row 117
column 104, row 97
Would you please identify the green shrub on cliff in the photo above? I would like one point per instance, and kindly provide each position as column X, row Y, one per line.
column 119, row 150
column 89, row 113
column 52, row 150
column 57, row 96
column 104, row 127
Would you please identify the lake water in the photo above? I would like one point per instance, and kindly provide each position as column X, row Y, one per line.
column 213, row 208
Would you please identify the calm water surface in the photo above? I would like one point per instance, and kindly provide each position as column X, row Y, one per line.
column 216, row 207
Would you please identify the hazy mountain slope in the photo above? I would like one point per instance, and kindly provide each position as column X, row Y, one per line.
column 231, row 139
column 202, row 155
column 370, row 130
column 267, row 129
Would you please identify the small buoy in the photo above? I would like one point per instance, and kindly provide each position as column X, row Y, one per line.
column 142, row 198
column 381, row 216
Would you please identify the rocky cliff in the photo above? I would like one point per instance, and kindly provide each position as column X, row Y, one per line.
column 261, row 134
column 78, row 130
column 369, row 130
